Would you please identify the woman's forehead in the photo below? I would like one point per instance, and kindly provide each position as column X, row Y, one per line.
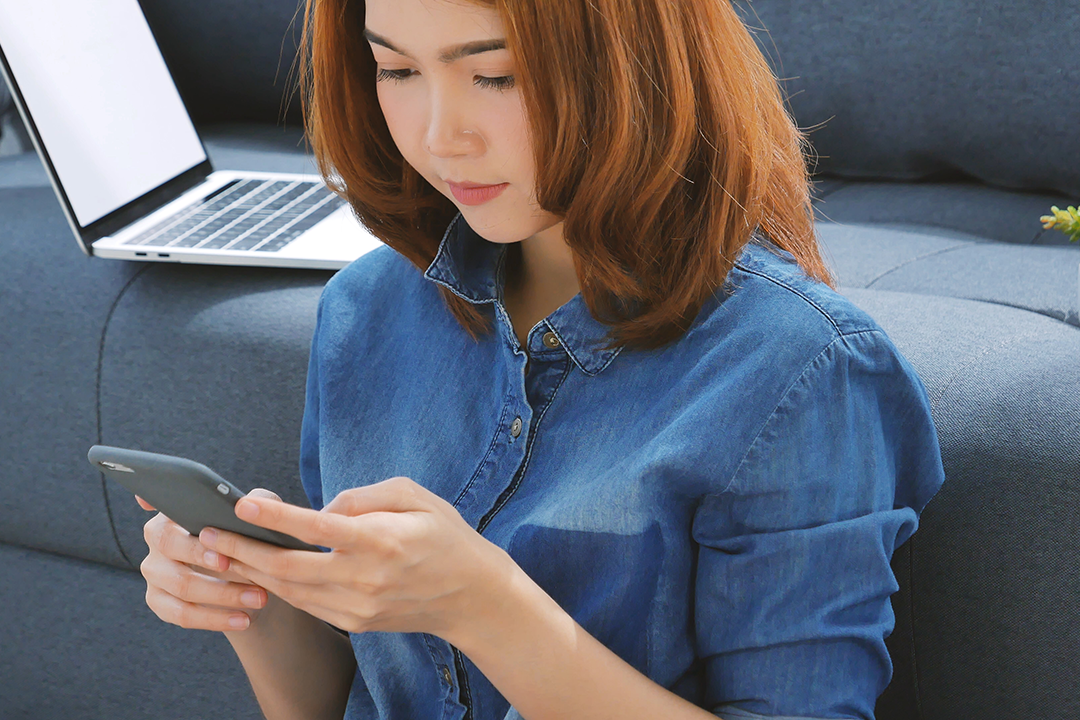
column 431, row 26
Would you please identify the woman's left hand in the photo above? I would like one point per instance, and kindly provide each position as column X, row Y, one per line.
column 402, row 560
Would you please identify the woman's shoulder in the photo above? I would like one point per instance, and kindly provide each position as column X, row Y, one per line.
column 775, row 327
column 379, row 298
column 771, row 289
column 380, row 271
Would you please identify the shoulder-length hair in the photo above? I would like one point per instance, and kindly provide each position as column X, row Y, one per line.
column 660, row 138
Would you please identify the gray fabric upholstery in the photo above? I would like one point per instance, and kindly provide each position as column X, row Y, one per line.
column 23, row 170
column 231, row 58
column 55, row 302
column 993, row 600
column 907, row 90
column 209, row 363
column 78, row 642
column 1041, row 279
column 937, row 208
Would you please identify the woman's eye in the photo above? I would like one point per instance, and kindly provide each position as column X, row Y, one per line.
column 500, row 83
column 497, row 83
column 395, row 75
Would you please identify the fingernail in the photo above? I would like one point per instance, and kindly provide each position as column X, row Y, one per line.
column 212, row 559
column 239, row 621
column 251, row 598
column 246, row 510
column 208, row 537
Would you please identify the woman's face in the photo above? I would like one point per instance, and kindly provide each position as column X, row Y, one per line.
column 446, row 85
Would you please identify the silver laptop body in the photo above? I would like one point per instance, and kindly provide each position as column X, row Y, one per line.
column 127, row 164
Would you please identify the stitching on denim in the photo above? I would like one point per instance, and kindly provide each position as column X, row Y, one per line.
column 510, row 491
column 97, row 404
column 801, row 294
column 783, row 398
column 491, row 447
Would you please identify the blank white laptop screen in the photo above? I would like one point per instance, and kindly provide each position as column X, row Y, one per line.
column 106, row 108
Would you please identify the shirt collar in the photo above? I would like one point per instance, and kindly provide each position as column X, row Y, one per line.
column 471, row 268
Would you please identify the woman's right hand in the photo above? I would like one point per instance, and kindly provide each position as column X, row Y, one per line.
column 190, row 586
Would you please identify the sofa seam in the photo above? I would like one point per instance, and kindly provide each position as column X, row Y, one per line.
column 890, row 271
column 97, row 405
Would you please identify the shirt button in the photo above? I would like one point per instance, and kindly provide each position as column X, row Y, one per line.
column 551, row 341
column 515, row 427
column 446, row 675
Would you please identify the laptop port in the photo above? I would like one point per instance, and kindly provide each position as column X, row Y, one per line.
column 163, row 254
column 139, row 254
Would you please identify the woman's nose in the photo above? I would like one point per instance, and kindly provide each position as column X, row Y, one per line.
column 450, row 131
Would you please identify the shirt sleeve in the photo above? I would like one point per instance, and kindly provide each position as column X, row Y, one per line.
column 310, row 474
column 793, row 578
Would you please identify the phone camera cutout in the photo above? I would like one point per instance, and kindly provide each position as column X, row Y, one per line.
column 114, row 466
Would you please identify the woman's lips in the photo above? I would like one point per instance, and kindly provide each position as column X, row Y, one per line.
column 476, row 194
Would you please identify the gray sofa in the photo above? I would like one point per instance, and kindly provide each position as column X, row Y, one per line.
column 940, row 151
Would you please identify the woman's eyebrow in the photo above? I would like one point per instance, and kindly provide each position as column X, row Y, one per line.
column 446, row 55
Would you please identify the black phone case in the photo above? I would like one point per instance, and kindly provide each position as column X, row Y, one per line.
column 188, row 493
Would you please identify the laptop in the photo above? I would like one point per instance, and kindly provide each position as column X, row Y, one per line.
column 130, row 170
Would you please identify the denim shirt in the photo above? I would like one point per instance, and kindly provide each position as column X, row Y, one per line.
column 720, row 512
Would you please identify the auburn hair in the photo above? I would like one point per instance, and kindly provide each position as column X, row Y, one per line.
column 660, row 137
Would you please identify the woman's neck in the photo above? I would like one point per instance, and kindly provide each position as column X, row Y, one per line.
column 540, row 278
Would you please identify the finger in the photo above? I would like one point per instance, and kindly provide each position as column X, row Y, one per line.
column 176, row 543
column 399, row 494
column 293, row 565
column 143, row 504
column 173, row 610
column 313, row 527
column 183, row 583
column 289, row 590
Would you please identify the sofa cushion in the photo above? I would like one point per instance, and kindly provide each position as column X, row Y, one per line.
column 970, row 208
column 58, row 303
column 231, row 60
column 908, row 90
column 55, row 303
column 78, row 641
column 209, row 363
column 1041, row 279
column 993, row 617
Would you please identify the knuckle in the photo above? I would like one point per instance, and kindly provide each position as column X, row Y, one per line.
column 368, row 611
column 152, row 530
column 182, row 617
column 322, row 524
column 181, row 586
column 146, row 566
column 280, row 565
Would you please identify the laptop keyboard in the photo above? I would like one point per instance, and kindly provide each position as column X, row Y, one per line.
column 259, row 215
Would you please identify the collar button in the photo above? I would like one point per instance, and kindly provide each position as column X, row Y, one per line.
column 551, row 341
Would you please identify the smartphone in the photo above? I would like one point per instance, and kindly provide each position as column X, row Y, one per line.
column 191, row 495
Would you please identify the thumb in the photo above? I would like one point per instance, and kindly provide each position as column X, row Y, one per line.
column 264, row 493
column 399, row 494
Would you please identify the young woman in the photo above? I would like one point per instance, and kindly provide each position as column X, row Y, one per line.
column 593, row 437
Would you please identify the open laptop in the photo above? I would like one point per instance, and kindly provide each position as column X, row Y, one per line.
column 131, row 172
